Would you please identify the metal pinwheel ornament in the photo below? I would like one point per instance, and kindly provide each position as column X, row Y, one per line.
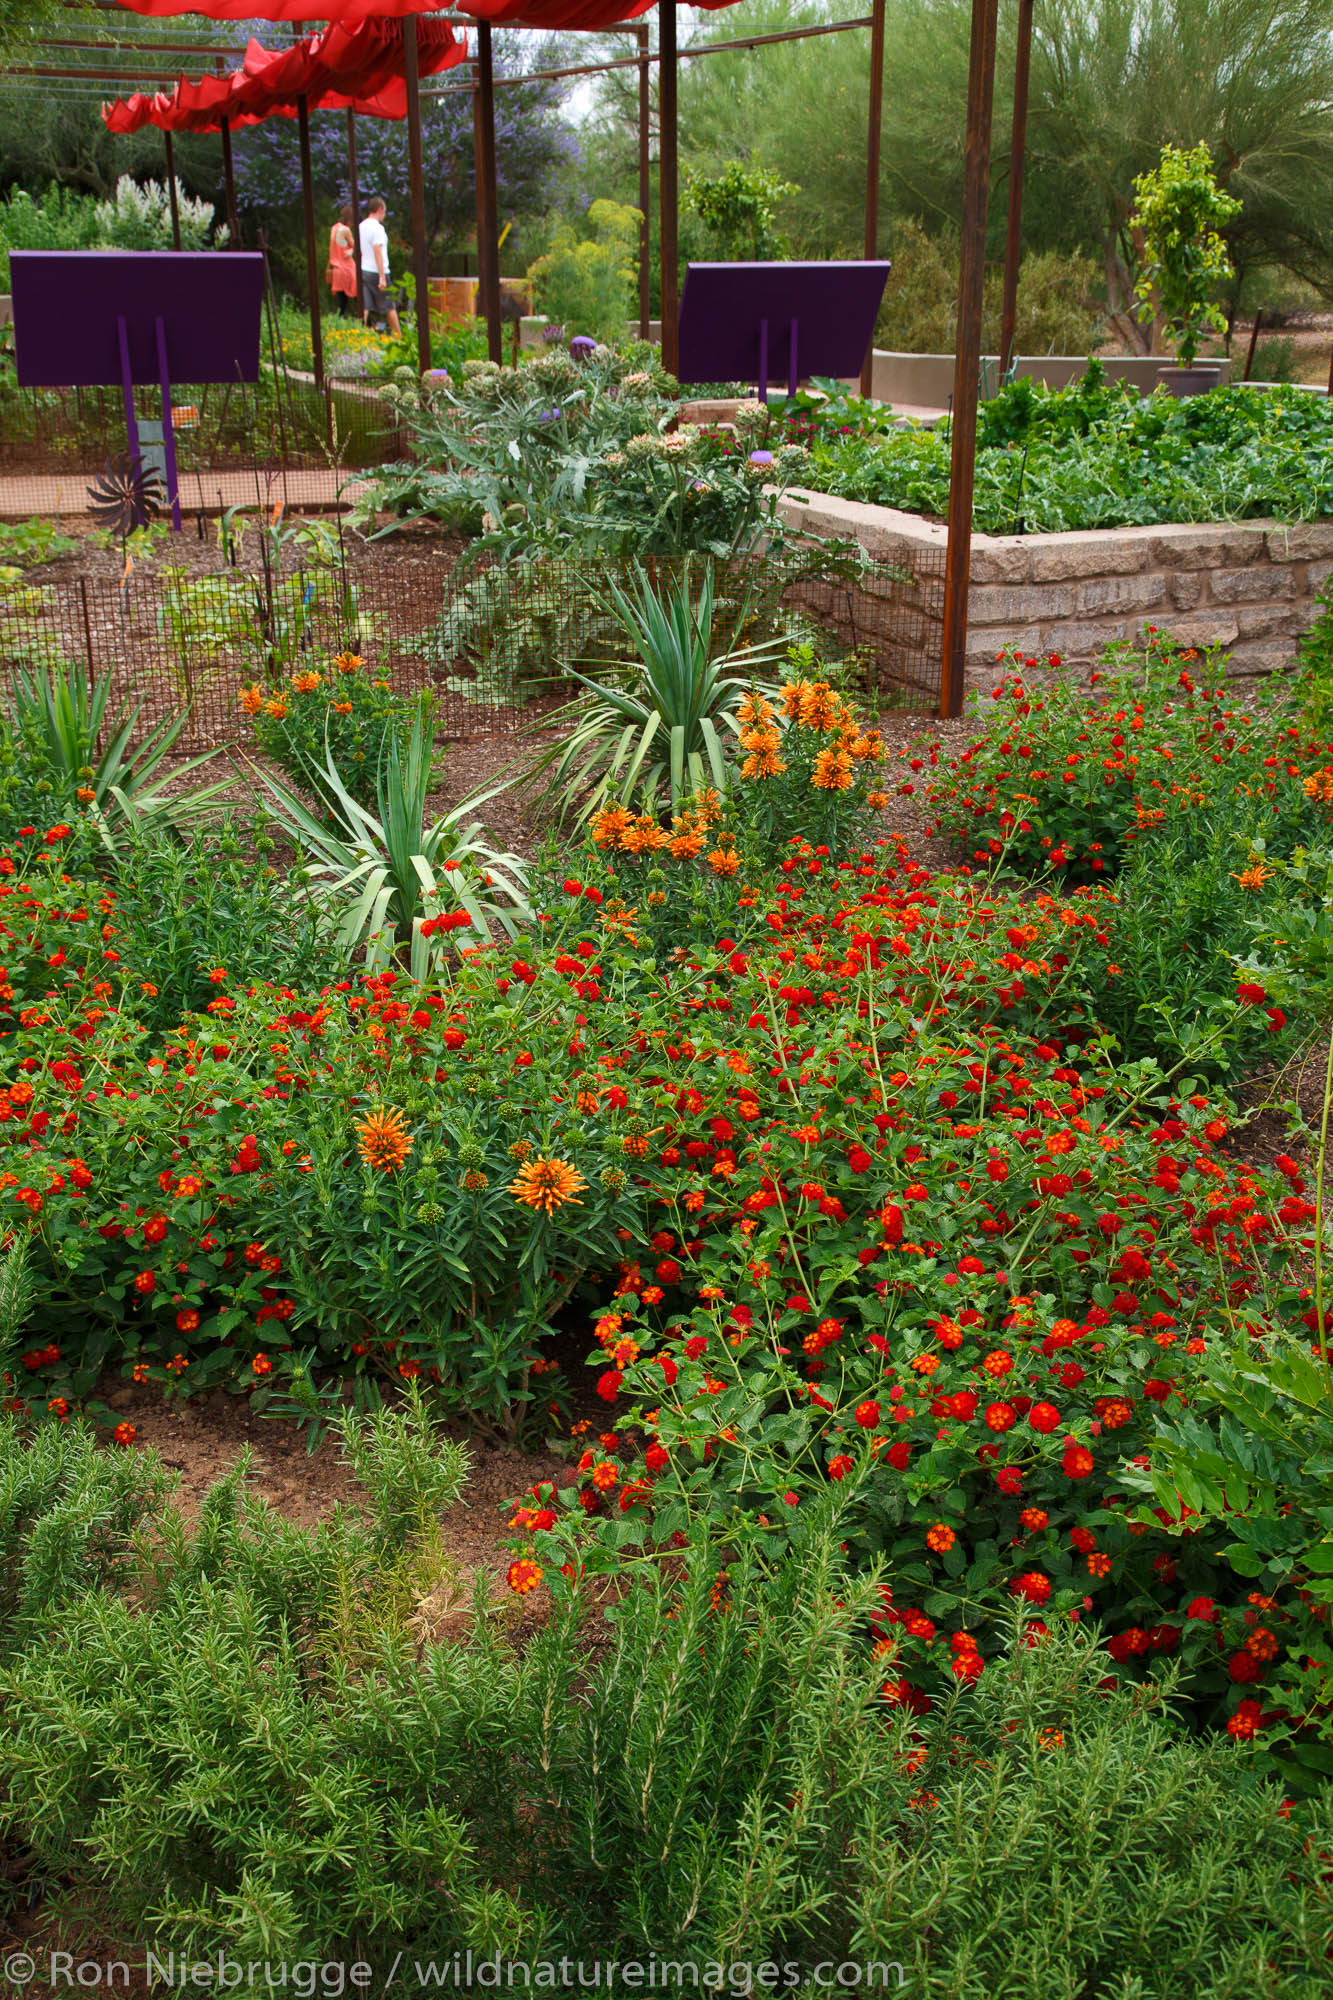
column 128, row 495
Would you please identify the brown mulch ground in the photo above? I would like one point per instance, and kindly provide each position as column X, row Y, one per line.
column 201, row 1439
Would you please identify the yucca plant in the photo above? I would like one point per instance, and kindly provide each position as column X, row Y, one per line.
column 395, row 872
column 94, row 760
column 657, row 721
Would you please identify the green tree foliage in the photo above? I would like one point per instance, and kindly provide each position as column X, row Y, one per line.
column 738, row 208
column 1112, row 81
column 1179, row 209
column 56, row 138
column 1059, row 307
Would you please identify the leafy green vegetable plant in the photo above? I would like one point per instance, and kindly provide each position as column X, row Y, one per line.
column 1094, row 456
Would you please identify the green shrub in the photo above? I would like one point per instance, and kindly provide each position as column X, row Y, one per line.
column 233, row 1740
column 587, row 285
column 1068, row 772
column 1179, row 213
column 1275, row 361
column 1057, row 308
column 738, row 208
column 137, row 218
column 1155, row 774
column 187, row 906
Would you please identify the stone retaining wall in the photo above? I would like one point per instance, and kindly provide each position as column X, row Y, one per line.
column 1249, row 587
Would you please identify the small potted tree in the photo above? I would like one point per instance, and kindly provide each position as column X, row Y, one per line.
column 1180, row 210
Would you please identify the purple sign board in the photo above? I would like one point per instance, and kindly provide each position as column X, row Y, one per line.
column 749, row 322
column 92, row 318
column 70, row 307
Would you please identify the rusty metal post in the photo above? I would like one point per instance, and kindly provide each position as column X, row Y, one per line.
column 967, row 359
column 311, row 254
column 229, row 183
column 1017, row 149
column 645, row 185
column 417, row 189
column 169, row 150
column 668, row 181
column 488, row 202
column 1254, row 339
column 354, row 193
column 872, row 165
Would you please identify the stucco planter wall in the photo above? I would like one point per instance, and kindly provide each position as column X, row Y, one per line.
column 1249, row 587
column 925, row 381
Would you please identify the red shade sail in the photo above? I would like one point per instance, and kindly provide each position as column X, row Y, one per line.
column 555, row 14
column 356, row 67
column 350, row 11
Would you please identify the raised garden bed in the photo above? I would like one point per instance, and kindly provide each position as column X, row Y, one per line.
column 1249, row 586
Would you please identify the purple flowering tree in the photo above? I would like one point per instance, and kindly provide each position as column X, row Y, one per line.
column 535, row 147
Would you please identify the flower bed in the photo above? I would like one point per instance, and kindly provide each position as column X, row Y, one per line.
column 833, row 1151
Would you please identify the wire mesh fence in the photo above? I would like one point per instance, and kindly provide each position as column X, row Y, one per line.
column 492, row 644
column 54, row 441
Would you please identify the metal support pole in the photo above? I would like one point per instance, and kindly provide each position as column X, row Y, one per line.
column 872, row 165
column 667, row 177
column 311, row 255
column 1017, row 150
column 967, row 359
column 488, row 241
column 169, row 150
column 417, row 189
column 645, row 185
column 1254, row 339
column 168, row 424
column 229, row 183
column 355, row 193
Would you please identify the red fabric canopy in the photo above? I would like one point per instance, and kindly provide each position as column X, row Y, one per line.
column 285, row 10
column 357, row 67
column 555, row 14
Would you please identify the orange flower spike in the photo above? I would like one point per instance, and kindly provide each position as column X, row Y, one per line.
column 547, row 1184
column 383, row 1140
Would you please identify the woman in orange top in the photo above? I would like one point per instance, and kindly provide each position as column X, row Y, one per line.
column 341, row 271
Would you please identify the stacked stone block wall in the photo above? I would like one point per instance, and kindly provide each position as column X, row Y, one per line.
column 1250, row 588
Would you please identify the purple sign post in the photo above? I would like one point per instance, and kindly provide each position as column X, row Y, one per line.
column 102, row 318
column 738, row 321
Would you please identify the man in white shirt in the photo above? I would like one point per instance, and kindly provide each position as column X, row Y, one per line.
column 375, row 300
